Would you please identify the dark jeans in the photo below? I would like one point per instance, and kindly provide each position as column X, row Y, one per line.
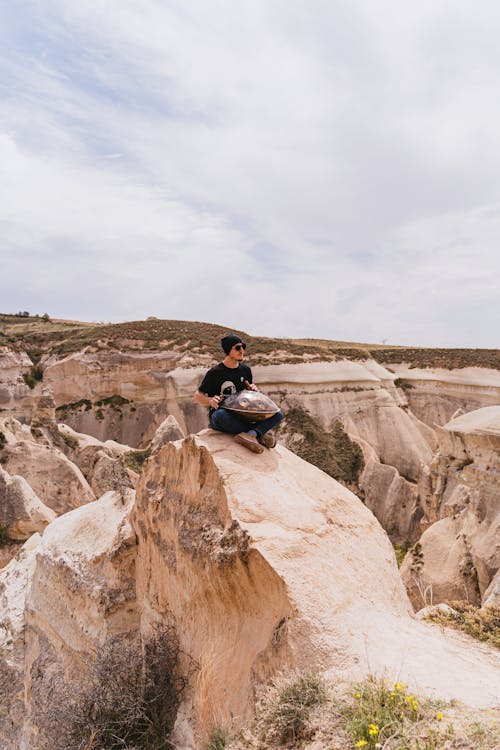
column 224, row 421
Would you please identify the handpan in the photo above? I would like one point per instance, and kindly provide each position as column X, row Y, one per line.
column 250, row 405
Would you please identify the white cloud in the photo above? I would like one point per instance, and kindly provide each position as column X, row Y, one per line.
column 324, row 170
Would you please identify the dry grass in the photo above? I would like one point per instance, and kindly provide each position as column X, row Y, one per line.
column 481, row 624
column 127, row 701
column 371, row 715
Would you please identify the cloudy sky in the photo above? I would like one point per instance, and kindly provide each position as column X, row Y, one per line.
column 325, row 169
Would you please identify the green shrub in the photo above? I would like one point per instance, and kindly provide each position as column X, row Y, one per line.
column 332, row 452
column 381, row 715
column 135, row 459
column 70, row 440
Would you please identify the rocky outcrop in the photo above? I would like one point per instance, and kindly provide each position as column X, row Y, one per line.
column 14, row 583
column 435, row 394
column 257, row 561
column 459, row 554
column 217, row 527
column 15, row 396
column 22, row 513
column 167, row 432
column 81, row 595
column 55, row 479
column 102, row 464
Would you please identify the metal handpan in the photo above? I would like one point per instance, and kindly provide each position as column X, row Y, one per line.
column 251, row 405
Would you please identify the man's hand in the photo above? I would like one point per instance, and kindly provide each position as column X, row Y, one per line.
column 214, row 401
column 250, row 386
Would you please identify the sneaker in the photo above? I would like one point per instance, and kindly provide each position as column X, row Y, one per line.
column 249, row 441
column 268, row 440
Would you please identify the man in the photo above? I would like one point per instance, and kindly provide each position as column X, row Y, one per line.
column 230, row 376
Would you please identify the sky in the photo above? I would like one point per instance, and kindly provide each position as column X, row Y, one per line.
column 325, row 169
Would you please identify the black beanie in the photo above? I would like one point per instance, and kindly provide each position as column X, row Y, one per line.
column 229, row 340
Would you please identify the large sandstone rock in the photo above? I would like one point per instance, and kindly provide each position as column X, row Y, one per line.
column 82, row 594
column 219, row 529
column 167, row 432
column 54, row 478
column 22, row 513
column 14, row 581
column 435, row 394
column 459, row 554
column 101, row 464
column 15, row 395
column 259, row 561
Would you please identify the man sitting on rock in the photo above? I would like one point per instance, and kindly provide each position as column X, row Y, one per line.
column 228, row 377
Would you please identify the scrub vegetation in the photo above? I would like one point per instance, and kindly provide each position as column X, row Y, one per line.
column 41, row 335
column 481, row 624
column 332, row 452
column 309, row 712
column 128, row 701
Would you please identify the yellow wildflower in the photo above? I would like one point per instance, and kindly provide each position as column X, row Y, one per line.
column 409, row 698
column 399, row 687
column 358, row 695
column 361, row 743
column 439, row 717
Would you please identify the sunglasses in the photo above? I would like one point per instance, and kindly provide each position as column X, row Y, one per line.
column 239, row 347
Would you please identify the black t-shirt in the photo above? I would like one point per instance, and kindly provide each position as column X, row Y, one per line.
column 222, row 381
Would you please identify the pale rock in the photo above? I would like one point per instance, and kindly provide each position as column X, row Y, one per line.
column 82, row 594
column 100, row 463
column 436, row 393
column 492, row 594
column 14, row 580
column 167, row 432
column 393, row 500
column 461, row 547
column 13, row 431
column 22, row 513
column 54, row 478
column 265, row 562
column 15, row 395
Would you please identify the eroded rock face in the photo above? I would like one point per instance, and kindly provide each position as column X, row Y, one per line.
column 81, row 594
column 459, row 553
column 15, row 395
column 53, row 477
column 14, row 582
column 22, row 513
column 220, row 528
column 435, row 394
column 259, row 561
column 101, row 463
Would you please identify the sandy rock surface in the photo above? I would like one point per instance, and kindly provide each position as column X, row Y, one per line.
column 54, row 478
column 22, row 513
column 210, row 516
column 14, row 582
column 82, row 593
column 436, row 393
column 460, row 552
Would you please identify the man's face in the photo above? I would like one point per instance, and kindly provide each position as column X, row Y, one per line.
column 238, row 351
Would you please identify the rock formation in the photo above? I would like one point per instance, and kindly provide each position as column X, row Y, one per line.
column 55, row 479
column 435, row 394
column 459, row 554
column 22, row 513
column 259, row 561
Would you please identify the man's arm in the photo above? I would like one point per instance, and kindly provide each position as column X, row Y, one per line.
column 204, row 400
